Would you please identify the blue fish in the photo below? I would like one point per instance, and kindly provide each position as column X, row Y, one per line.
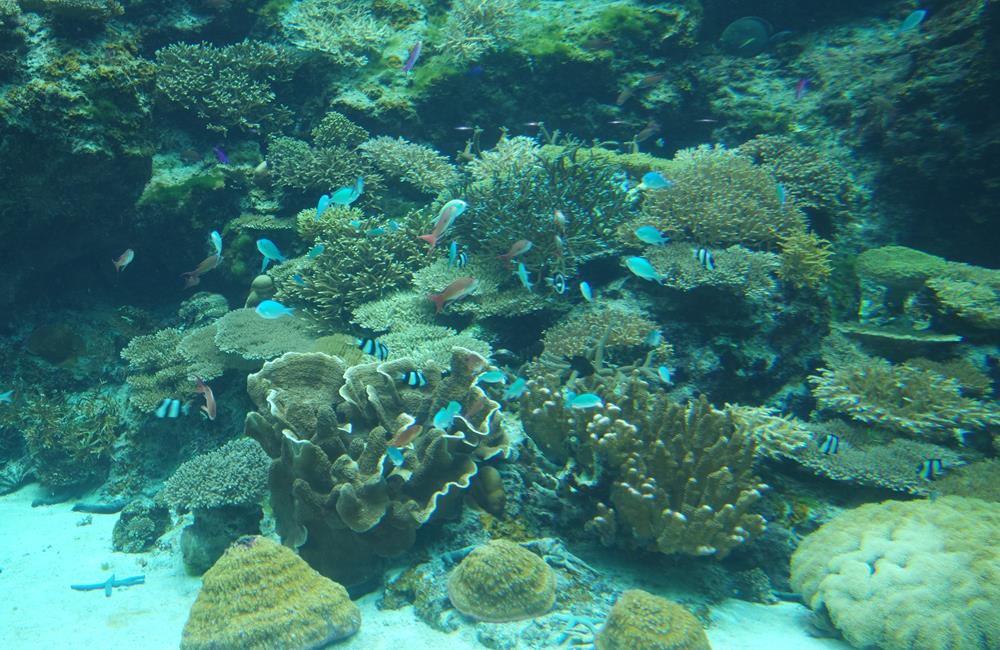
column 220, row 155
column 299, row 280
column 912, row 21
column 493, row 377
column 444, row 418
column 316, row 251
column 587, row 292
column 522, row 275
column 348, row 195
column 395, row 455
column 169, row 408
column 654, row 181
column 377, row 349
column 272, row 309
column 665, row 374
column 704, row 257
column 324, row 203
column 640, row 267
column 457, row 258
column 375, row 232
column 355, row 223
column 654, row 338
column 830, row 445
column 516, row 389
column 651, row 235
column 413, row 378
column 930, row 469
column 7, row 397
column 781, row 194
column 216, row 240
column 270, row 252
column 393, row 225
column 583, row 401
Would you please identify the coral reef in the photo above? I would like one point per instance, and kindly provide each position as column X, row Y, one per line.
column 246, row 596
column 417, row 165
column 346, row 32
column 475, row 28
column 500, row 582
column 911, row 575
column 641, row 621
column 244, row 334
column 805, row 260
column 141, row 523
column 737, row 270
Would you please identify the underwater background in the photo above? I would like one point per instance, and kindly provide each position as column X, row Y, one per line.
column 502, row 324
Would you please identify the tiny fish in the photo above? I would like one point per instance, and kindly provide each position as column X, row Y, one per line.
column 522, row 275
column 191, row 278
column 930, row 469
column 559, row 218
column 449, row 212
column 704, row 257
column 520, row 247
column 640, row 267
column 209, row 408
column 355, row 223
column 445, row 417
column 516, row 389
column 414, row 378
column 654, row 338
column 272, row 309
column 375, row 232
column 395, row 456
column 322, row 205
column 801, row 87
column 124, row 260
column 299, row 280
column 782, row 196
column 405, row 435
column 7, row 397
column 830, row 445
column 411, row 60
column 393, row 225
column 654, row 181
column 586, row 292
column 583, row 401
column 216, row 240
column 220, row 155
column 912, row 21
column 660, row 142
column 651, row 235
column 270, row 252
column 665, row 375
column 457, row 290
column 557, row 282
column 316, row 251
column 493, row 377
column 375, row 348
column 648, row 131
column 349, row 194
column 168, row 408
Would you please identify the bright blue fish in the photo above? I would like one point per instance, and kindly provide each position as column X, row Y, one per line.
column 444, row 418
column 216, row 242
column 583, row 401
column 516, row 389
column 316, row 250
column 640, row 267
column 522, row 275
column 7, row 397
column 270, row 252
column 493, row 377
column 324, row 203
column 375, row 232
column 665, row 374
column 651, row 235
column 452, row 253
column 348, row 195
column 395, row 455
column 912, row 21
column 654, row 181
column 272, row 309
column 393, row 224
column 587, row 292
column 781, row 194
column 654, row 338
column 299, row 280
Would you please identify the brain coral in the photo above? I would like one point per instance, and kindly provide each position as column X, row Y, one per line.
column 642, row 621
column 500, row 582
column 913, row 575
column 261, row 595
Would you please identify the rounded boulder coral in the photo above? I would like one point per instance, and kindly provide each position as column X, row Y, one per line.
column 500, row 582
column 642, row 621
column 913, row 575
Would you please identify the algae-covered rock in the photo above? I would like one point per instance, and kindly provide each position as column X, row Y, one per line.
column 141, row 523
column 260, row 595
column 899, row 266
column 500, row 582
column 642, row 621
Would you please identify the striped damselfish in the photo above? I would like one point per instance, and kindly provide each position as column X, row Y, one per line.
column 375, row 348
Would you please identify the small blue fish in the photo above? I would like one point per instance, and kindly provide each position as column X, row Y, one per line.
column 654, row 338
column 444, row 418
column 704, row 257
column 456, row 258
column 216, row 240
column 375, row 348
column 557, row 282
column 168, row 408
column 322, row 205
column 583, row 401
column 393, row 225
column 654, row 181
column 316, row 251
column 220, row 155
column 651, row 235
column 516, row 389
column 912, row 21
column 270, row 252
column 348, row 195
column 586, row 292
column 620, row 180
column 413, row 378
column 830, row 445
column 355, row 223
column 7, row 397
column 395, row 455
column 930, row 469
column 272, row 309
column 665, row 374
column 781, row 194
column 640, row 267
column 375, row 232
column 299, row 280
column 522, row 275
column 493, row 377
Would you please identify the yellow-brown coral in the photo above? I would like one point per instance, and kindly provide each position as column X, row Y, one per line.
column 805, row 260
column 500, row 582
column 642, row 621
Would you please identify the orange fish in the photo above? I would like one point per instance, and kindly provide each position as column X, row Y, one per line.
column 124, row 259
column 457, row 290
column 192, row 278
column 406, row 435
column 209, row 407
column 520, row 247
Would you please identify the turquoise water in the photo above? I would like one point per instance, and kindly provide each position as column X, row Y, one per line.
column 499, row 323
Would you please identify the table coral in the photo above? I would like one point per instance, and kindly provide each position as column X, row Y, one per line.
column 260, row 595
column 500, row 582
column 641, row 621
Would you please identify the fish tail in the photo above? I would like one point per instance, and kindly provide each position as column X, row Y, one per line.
column 438, row 300
column 430, row 239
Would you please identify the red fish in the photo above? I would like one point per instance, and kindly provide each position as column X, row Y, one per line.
column 124, row 259
column 406, row 435
column 209, row 407
column 192, row 278
column 457, row 290
column 445, row 218
column 520, row 247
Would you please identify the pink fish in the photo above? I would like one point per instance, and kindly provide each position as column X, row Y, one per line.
column 801, row 87
column 520, row 247
column 457, row 290
column 124, row 260
column 209, row 406
column 412, row 59
column 405, row 435
column 445, row 218
column 191, row 278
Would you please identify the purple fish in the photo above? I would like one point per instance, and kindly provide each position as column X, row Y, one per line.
column 412, row 59
column 801, row 87
column 221, row 155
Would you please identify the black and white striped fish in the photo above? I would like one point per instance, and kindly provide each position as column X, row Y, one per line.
column 930, row 469
column 375, row 348
column 830, row 445
column 414, row 378
column 557, row 282
column 704, row 257
column 169, row 408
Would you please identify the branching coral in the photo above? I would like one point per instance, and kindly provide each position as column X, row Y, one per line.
column 474, row 28
column 720, row 197
column 737, row 270
column 234, row 474
column 416, row 164
column 805, row 260
column 345, row 31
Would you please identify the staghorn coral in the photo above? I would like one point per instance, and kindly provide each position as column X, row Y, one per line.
column 914, row 401
column 297, row 165
column 225, row 87
column 415, row 164
column 500, row 582
column 805, row 260
column 906, row 575
column 234, row 474
column 776, row 436
column 738, row 270
column 474, row 28
column 336, row 129
column 246, row 602
column 719, row 198
column 347, row 32
column 641, row 621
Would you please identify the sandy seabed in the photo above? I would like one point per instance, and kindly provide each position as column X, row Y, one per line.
column 44, row 550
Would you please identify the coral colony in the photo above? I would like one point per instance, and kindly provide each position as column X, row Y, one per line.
column 506, row 285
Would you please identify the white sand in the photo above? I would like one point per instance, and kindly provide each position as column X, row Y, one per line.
column 43, row 552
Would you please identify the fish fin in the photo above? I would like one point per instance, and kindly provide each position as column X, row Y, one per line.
column 438, row 301
column 430, row 239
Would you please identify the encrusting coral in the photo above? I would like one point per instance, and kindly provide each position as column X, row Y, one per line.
column 641, row 621
column 260, row 595
column 501, row 581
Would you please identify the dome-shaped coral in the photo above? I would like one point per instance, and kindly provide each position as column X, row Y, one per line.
column 501, row 581
column 261, row 595
column 642, row 621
